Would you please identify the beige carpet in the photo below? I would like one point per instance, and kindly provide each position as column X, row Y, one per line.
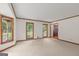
column 43, row 47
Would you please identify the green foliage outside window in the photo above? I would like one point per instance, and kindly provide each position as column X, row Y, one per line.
column 6, row 30
column 29, row 28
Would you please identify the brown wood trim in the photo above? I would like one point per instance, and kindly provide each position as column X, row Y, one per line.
column 33, row 20
column 12, row 20
column 47, row 31
column 27, row 40
column 40, row 20
column 69, row 41
column 6, row 42
column 20, row 40
column 33, row 30
column 25, row 18
column 38, row 38
column 13, row 9
column 50, row 30
column 7, row 48
column 67, row 18
column 6, row 16
column 0, row 30
column 12, row 29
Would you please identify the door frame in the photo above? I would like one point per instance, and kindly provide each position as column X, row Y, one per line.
column 33, row 30
column 50, row 31
column 54, row 28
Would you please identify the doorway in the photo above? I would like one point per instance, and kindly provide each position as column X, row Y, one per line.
column 55, row 30
column 29, row 30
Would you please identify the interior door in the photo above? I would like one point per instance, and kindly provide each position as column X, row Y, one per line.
column 55, row 30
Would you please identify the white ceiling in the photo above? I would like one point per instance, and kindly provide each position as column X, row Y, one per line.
column 46, row 11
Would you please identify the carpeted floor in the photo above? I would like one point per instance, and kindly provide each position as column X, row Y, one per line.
column 43, row 47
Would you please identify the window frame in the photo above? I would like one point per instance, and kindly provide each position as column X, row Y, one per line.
column 46, row 30
column 12, row 28
column 32, row 30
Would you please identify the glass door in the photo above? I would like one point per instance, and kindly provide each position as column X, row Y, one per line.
column 29, row 30
column 45, row 30
column 6, row 29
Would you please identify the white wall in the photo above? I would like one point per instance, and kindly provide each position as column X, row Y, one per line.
column 21, row 29
column 69, row 29
column 6, row 10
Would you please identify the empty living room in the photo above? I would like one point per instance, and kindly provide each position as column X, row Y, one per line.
column 39, row 29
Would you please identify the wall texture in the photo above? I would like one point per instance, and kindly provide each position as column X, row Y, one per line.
column 21, row 29
column 69, row 29
column 6, row 10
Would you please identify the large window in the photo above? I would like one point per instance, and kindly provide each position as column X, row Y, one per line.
column 29, row 30
column 45, row 30
column 6, row 29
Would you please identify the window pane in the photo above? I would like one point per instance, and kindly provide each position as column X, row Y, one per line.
column 45, row 30
column 29, row 30
column 4, row 30
column 9, row 31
